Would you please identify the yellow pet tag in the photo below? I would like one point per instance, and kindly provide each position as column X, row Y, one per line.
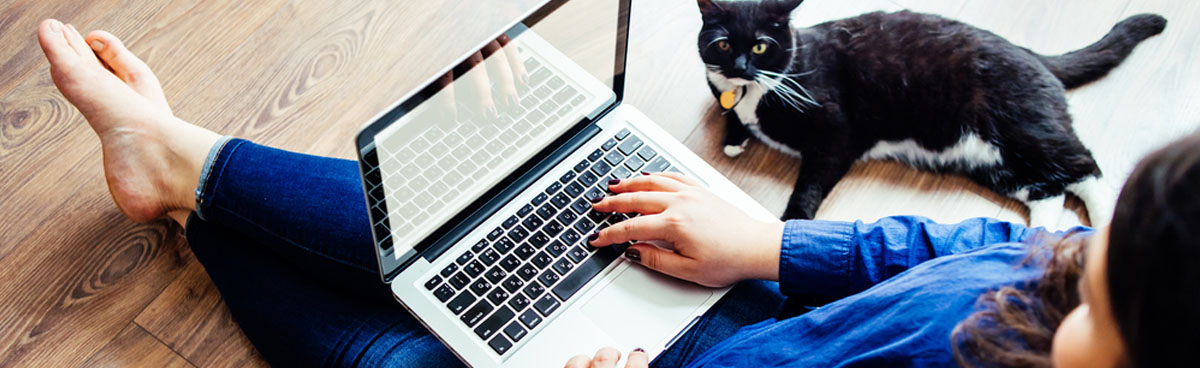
column 729, row 98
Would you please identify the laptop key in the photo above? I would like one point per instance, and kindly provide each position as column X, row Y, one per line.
column 647, row 153
column 504, row 245
column 515, row 331
column 629, row 146
column 493, row 324
column 587, row 178
column 510, row 263
column 597, row 216
column 500, row 345
column 489, row 257
column 567, row 217
column 527, row 272
column 566, row 178
column 480, row 246
column 563, row 266
column 460, row 280
column 553, row 228
column 541, row 260
column 614, row 157
column 534, row 290
column 554, row 187
column 434, row 282
column 460, row 303
column 556, row 249
column 449, row 270
column 510, row 222
column 601, row 168
column 584, row 273
column 533, row 223
column 622, row 134
column 539, row 240
column 577, row 254
column 609, row 144
column 539, row 199
column 525, row 210
column 498, row 295
column 513, row 283
column 621, row 172
column 518, row 234
column 635, row 163
column 570, row 237
column 525, row 251
column 659, row 164
column 464, row 258
column 584, row 226
column 595, row 155
column 496, row 233
column 530, row 319
column 560, row 200
column 520, row 301
column 444, row 293
column 495, row 275
column 582, row 165
column 546, row 305
column 546, row 211
column 480, row 286
column 548, row 278
column 573, row 189
column 474, row 269
column 581, row 206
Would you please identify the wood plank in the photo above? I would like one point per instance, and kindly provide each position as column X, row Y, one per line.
column 190, row 318
column 133, row 347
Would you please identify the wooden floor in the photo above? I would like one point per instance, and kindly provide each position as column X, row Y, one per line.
column 82, row 286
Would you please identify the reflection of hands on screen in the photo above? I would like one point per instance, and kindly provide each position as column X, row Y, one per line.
column 487, row 90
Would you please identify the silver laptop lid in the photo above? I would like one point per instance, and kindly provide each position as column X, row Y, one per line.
column 434, row 164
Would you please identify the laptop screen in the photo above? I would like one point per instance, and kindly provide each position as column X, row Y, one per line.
column 461, row 136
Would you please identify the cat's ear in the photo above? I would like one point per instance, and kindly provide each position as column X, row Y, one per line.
column 709, row 8
column 782, row 9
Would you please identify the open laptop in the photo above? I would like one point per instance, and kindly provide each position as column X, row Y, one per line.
column 481, row 214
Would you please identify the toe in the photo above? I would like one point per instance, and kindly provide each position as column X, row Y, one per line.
column 75, row 40
column 54, row 43
column 127, row 66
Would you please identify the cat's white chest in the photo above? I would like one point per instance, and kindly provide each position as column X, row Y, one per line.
column 746, row 109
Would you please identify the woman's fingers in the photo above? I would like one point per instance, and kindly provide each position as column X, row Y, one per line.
column 502, row 75
column 680, row 177
column 606, row 358
column 639, row 202
column 646, row 183
column 514, row 60
column 650, row 227
column 578, row 361
column 660, row 260
column 482, row 86
column 637, row 359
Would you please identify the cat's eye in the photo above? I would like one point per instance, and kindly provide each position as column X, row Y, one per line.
column 760, row 48
column 723, row 45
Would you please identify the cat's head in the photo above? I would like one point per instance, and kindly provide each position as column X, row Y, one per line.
column 742, row 38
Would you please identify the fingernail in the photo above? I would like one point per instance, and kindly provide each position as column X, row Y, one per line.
column 597, row 199
column 639, row 350
column 593, row 236
column 633, row 255
column 645, row 173
column 56, row 26
column 614, row 181
column 97, row 45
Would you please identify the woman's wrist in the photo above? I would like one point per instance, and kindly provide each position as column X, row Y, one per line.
column 765, row 255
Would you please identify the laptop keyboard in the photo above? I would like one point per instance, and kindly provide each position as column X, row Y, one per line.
column 439, row 164
column 519, row 274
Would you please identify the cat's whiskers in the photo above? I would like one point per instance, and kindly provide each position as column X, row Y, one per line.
column 794, row 94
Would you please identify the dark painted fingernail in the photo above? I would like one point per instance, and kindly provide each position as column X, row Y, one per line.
column 633, row 255
column 639, row 350
column 593, row 236
column 614, row 181
column 597, row 199
column 645, row 173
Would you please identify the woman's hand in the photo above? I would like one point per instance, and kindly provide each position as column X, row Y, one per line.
column 608, row 357
column 715, row 243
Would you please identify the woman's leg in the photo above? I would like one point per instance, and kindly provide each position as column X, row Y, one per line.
column 153, row 162
column 749, row 302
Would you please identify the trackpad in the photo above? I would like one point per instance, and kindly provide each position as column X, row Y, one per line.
column 642, row 307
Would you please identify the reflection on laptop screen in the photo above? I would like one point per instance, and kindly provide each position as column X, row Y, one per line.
column 492, row 114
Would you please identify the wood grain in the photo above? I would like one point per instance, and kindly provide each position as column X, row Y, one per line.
column 83, row 286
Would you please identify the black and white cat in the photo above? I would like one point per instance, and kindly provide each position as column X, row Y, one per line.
column 931, row 92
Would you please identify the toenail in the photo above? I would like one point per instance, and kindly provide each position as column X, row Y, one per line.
column 55, row 26
column 97, row 45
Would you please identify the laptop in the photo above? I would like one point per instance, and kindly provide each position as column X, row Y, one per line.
column 480, row 201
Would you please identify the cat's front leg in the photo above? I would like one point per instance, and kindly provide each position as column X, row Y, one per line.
column 818, row 175
column 736, row 135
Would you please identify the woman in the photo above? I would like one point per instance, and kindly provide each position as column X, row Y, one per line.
column 300, row 278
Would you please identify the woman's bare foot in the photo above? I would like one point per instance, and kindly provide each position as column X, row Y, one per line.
column 152, row 160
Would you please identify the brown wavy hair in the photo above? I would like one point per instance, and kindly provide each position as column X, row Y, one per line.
column 1015, row 325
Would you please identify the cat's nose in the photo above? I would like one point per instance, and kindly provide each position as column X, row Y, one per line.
column 740, row 63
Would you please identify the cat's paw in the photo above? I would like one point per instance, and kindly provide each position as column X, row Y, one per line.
column 732, row 150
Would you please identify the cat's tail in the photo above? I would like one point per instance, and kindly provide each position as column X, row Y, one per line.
column 1088, row 64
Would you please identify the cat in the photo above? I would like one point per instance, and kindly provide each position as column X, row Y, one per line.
column 931, row 92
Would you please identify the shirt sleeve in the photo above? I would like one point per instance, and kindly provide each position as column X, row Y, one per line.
column 828, row 259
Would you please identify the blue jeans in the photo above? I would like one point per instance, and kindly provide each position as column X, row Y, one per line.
column 286, row 239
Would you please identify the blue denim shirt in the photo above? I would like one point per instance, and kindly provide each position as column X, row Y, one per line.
column 901, row 285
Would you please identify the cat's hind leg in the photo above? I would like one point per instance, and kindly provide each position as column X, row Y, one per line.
column 1097, row 197
column 1045, row 212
